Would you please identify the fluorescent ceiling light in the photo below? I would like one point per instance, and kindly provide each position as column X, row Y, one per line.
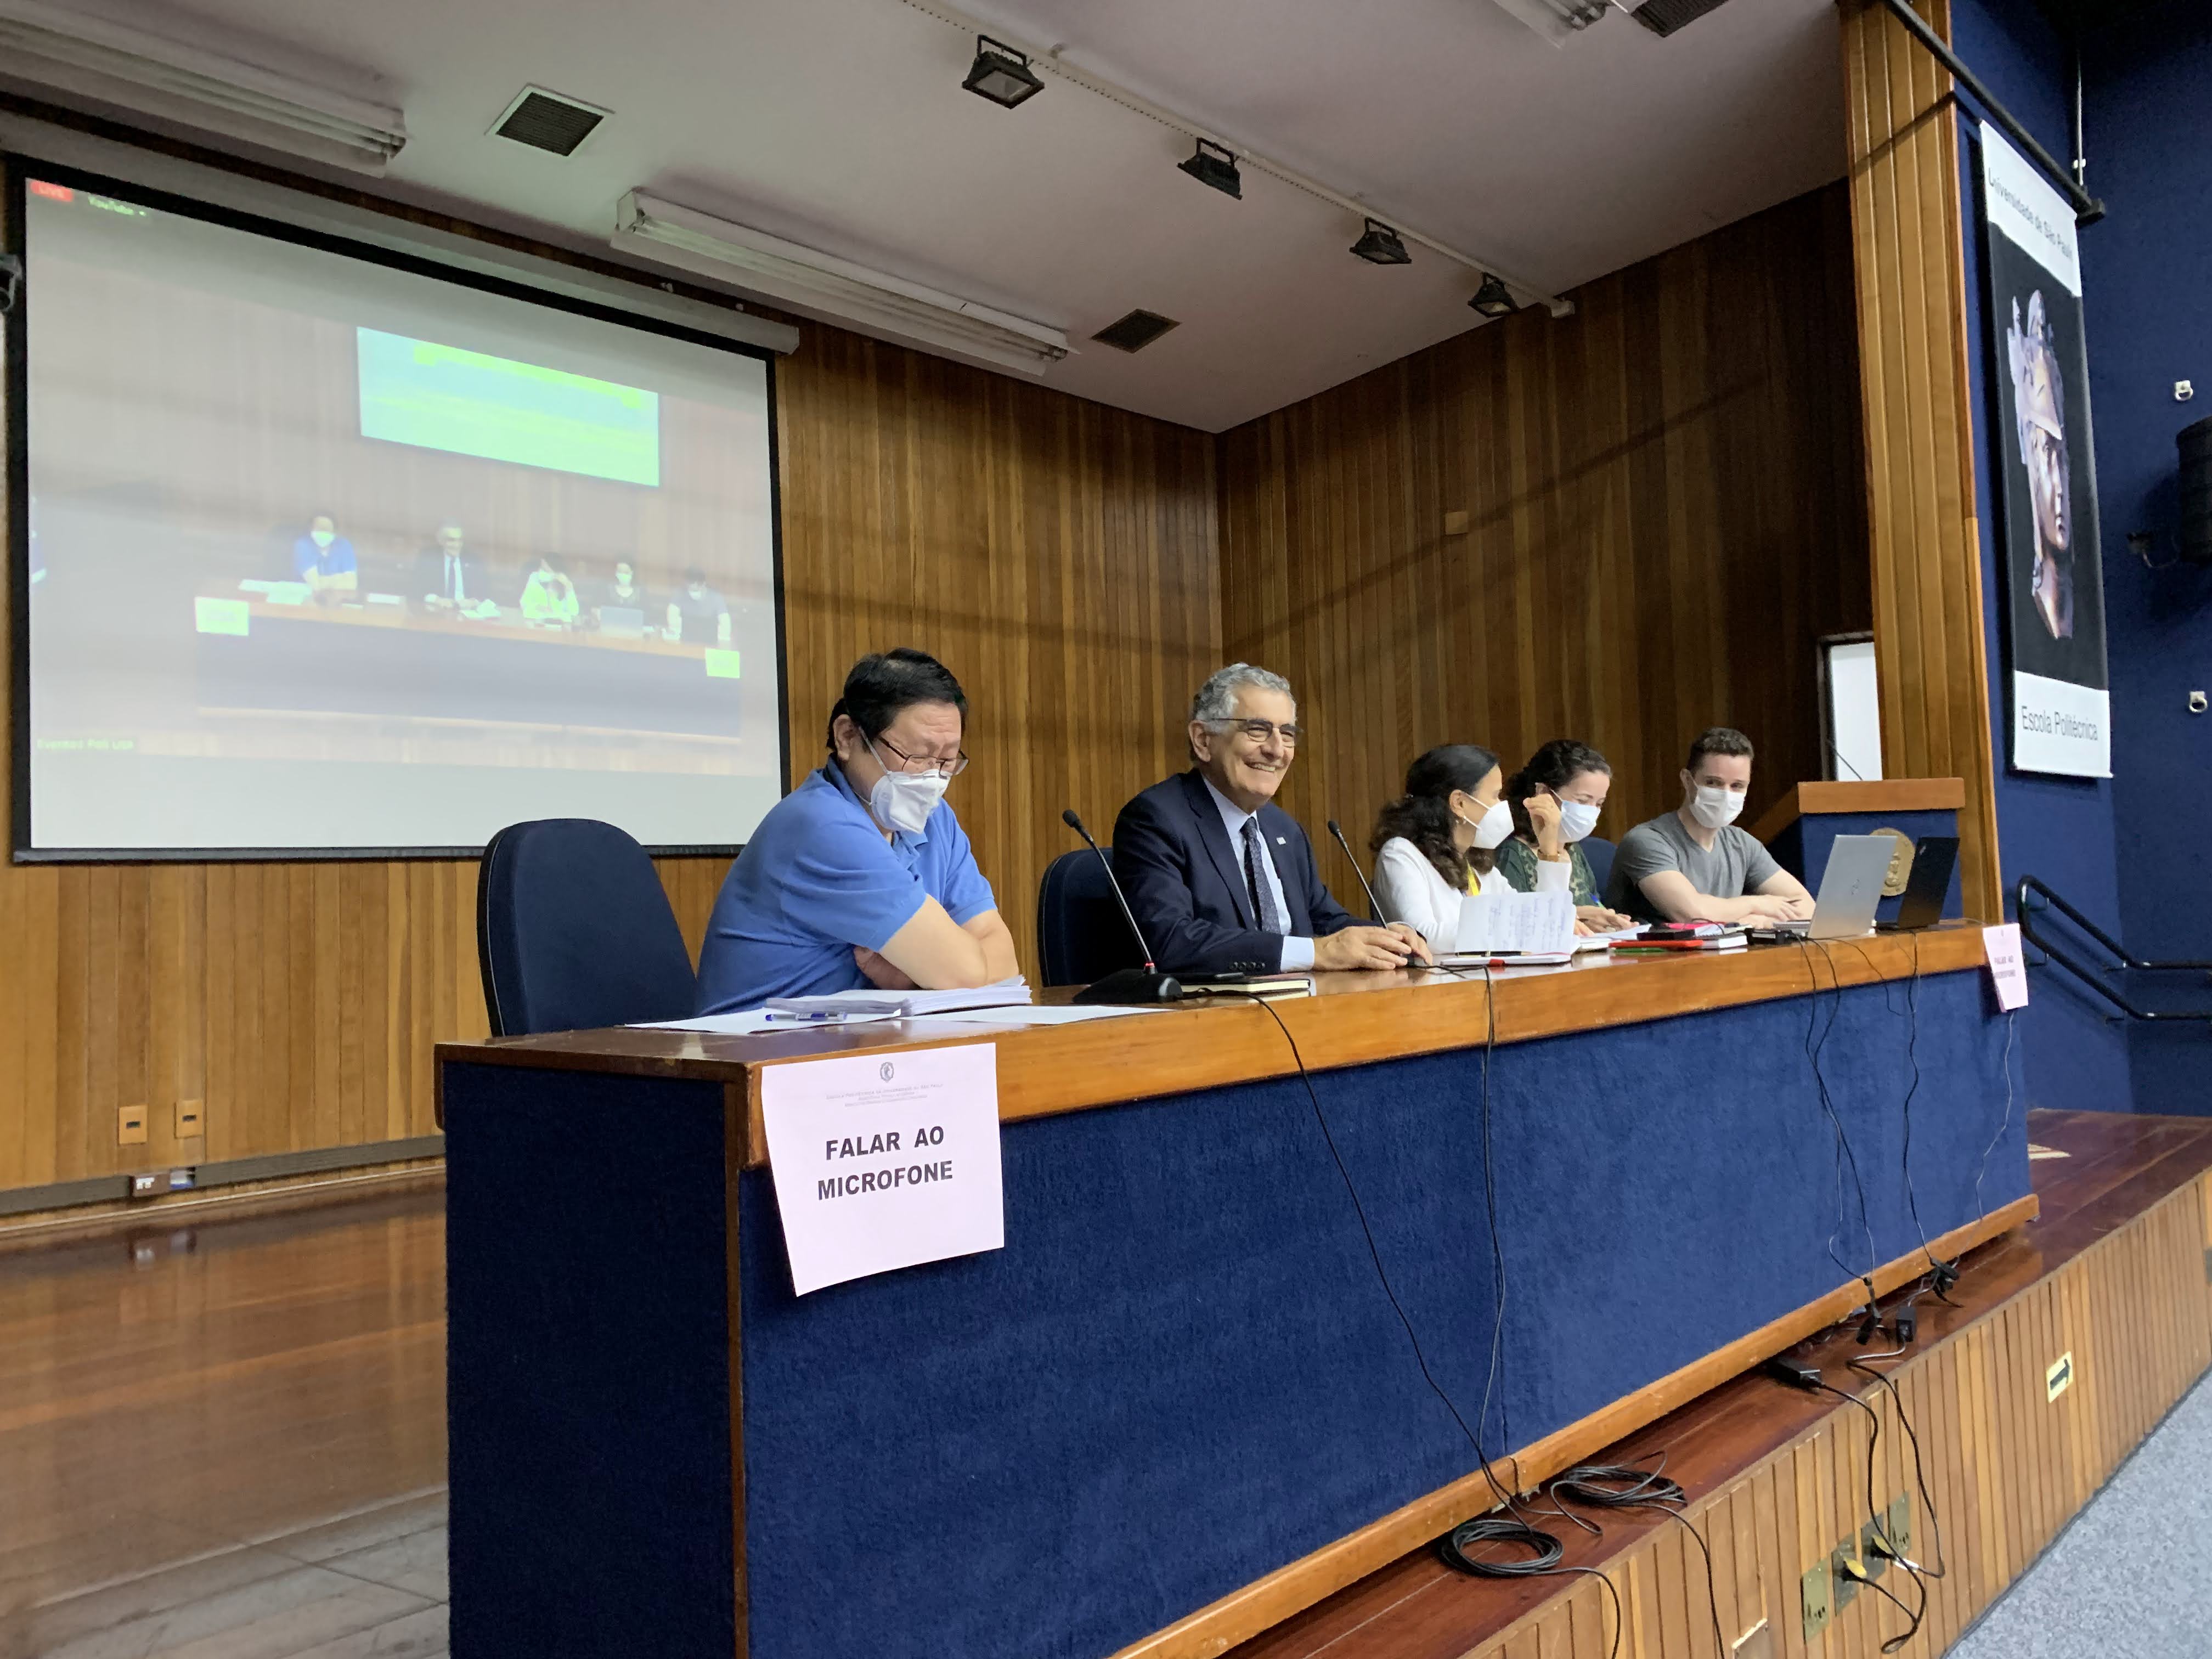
column 824, row 285
column 50, row 47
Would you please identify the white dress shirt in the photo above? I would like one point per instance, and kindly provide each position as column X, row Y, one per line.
column 1298, row 953
column 1412, row 891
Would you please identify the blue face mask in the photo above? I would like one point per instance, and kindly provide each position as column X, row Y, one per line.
column 1577, row 819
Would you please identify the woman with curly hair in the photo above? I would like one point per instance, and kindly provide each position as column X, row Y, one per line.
column 1437, row 843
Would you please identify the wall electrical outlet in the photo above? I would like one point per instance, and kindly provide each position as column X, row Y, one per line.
column 191, row 1120
column 1872, row 1551
column 1900, row 1524
column 146, row 1186
column 130, row 1126
column 1813, row 1600
column 1844, row 1587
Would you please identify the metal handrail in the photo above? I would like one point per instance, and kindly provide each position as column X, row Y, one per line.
column 2026, row 909
column 2030, row 883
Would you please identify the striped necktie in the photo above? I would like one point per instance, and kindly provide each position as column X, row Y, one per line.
column 1272, row 920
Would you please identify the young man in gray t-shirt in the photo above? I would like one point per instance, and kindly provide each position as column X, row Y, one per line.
column 1694, row 864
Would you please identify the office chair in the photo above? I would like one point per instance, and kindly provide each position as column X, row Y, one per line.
column 1600, row 854
column 574, row 932
column 1082, row 935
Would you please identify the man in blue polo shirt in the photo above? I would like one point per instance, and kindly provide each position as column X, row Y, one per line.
column 324, row 559
column 861, row 875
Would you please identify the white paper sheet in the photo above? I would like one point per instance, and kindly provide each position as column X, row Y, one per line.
column 2008, row 967
column 885, row 1161
column 1517, row 921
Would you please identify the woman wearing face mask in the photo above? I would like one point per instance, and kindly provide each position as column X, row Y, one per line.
column 1437, row 842
column 1556, row 798
column 862, row 875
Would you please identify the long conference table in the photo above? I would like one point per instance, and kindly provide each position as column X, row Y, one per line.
column 360, row 657
column 1179, row 1405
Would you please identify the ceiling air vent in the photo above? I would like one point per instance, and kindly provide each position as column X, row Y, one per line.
column 1135, row 331
column 545, row 121
column 1665, row 16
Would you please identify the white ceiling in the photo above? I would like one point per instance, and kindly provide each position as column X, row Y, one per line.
column 841, row 123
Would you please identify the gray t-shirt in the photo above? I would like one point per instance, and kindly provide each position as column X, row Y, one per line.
column 1736, row 865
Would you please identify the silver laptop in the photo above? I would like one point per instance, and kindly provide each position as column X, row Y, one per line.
column 624, row 621
column 1851, row 888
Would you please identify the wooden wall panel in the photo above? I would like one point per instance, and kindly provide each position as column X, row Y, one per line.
column 1058, row 554
column 1908, row 255
column 1665, row 501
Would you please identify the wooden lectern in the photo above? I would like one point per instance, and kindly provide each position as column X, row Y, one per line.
column 1798, row 828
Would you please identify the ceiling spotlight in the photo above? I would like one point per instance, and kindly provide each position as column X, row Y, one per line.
column 1493, row 298
column 1001, row 74
column 1379, row 245
column 1210, row 164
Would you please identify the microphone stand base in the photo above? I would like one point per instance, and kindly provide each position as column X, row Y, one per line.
column 1133, row 985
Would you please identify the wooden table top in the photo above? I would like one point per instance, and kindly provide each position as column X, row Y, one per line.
column 1353, row 1019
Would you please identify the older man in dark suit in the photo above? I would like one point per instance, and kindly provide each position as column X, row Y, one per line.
column 1222, row 881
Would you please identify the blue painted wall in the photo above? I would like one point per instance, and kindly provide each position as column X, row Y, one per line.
column 2147, row 273
column 2058, row 828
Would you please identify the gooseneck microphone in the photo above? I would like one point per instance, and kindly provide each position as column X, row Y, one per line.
column 1145, row 984
column 1374, row 904
column 1837, row 755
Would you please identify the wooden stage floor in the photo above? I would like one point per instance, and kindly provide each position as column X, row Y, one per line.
column 227, row 1441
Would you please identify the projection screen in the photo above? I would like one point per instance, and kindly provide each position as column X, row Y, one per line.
column 320, row 549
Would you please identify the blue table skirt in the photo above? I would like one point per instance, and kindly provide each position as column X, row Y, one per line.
column 1182, row 1371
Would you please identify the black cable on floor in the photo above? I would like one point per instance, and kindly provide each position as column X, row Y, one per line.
column 1944, row 1273
column 1544, row 1551
column 1623, row 1486
column 1845, row 1155
column 1880, row 1526
column 1542, row 1561
column 2012, row 1021
column 1375, row 1251
column 1497, row 1245
column 1863, row 1364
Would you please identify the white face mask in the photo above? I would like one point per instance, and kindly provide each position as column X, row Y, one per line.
column 1492, row 827
column 1577, row 819
column 321, row 537
column 1715, row 807
column 902, row 801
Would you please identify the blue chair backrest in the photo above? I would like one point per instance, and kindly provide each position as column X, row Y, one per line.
column 1082, row 935
column 1600, row 854
column 574, row 932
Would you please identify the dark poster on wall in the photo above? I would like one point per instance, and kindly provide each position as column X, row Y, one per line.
column 2046, row 481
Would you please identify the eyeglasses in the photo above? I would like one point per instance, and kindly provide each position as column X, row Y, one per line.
column 1261, row 731
column 921, row 765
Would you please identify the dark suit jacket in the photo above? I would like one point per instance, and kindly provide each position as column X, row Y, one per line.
column 1186, row 883
column 430, row 576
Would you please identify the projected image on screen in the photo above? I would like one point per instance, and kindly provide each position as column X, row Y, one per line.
column 329, row 555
